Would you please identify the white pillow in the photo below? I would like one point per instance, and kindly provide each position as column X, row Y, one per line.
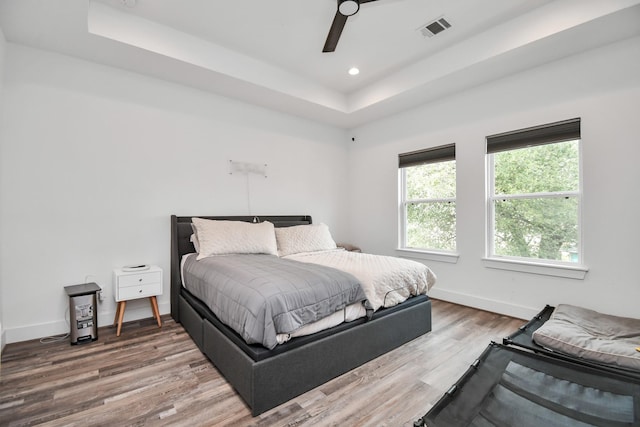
column 304, row 238
column 234, row 237
column 194, row 240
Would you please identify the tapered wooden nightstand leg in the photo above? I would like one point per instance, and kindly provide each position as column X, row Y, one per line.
column 120, row 312
column 115, row 319
column 156, row 312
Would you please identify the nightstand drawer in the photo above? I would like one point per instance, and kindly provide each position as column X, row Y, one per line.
column 139, row 291
column 143, row 278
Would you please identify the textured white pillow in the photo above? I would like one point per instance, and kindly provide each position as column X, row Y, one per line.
column 304, row 238
column 194, row 240
column 234, row 237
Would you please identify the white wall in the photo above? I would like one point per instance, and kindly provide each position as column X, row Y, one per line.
column 3, row 45
column 95, row 160
column 600, row 86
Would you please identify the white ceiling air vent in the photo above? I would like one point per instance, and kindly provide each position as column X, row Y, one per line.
column 432, row 28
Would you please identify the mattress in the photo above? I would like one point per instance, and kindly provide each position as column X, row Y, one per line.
column 261, row 296
column 590, row 335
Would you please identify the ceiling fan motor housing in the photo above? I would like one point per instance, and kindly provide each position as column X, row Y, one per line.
column 348, row 7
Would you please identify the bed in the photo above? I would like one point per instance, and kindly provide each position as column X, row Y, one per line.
column 267, row 377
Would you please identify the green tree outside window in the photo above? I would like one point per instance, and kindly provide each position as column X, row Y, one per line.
column 536, row 202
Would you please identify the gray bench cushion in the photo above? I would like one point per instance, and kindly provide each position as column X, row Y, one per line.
column 590, row 335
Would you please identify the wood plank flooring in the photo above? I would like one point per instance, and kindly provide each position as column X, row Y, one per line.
column 157, row 376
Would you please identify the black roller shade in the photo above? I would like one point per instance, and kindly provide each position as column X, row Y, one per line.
column 442, row 153
column 566, row 130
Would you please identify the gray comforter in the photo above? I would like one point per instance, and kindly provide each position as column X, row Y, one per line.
column 260, row 296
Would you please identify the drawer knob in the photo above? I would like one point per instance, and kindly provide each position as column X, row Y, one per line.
column 140, row 279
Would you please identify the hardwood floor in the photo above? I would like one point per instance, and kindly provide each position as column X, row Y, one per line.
column 157, row 376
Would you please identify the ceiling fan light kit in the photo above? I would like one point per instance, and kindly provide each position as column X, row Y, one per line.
column 348, row 7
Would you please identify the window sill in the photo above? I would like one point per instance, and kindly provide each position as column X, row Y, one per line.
column 577, row 272
column 449, row 257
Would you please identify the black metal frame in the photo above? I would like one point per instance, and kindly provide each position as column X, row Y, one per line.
column 462, row 401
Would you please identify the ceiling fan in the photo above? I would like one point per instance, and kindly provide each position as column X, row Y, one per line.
column 346, row 8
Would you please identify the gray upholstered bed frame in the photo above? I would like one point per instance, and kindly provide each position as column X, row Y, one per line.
column 266, row 379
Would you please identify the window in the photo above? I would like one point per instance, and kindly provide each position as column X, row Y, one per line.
column 428, row 199
column 535, row 194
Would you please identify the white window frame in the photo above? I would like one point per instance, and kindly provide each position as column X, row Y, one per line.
column 574, row 270
column 433, row 254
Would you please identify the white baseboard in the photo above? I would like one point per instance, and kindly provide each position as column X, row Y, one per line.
column 38, row 330
column 494, row 306
column 140, row 309
column 3, row 340
column 135, row 310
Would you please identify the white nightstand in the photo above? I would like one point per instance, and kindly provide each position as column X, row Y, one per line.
column 137, row 284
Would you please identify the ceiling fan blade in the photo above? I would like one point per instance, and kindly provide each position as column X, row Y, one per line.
column 334, row 32
column 366, row 1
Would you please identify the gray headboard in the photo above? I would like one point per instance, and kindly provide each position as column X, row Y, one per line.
column 180, row 243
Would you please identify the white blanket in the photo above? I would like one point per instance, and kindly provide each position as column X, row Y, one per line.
column 386, row 281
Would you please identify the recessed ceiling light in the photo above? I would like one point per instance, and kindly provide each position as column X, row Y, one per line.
column 354, row 71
